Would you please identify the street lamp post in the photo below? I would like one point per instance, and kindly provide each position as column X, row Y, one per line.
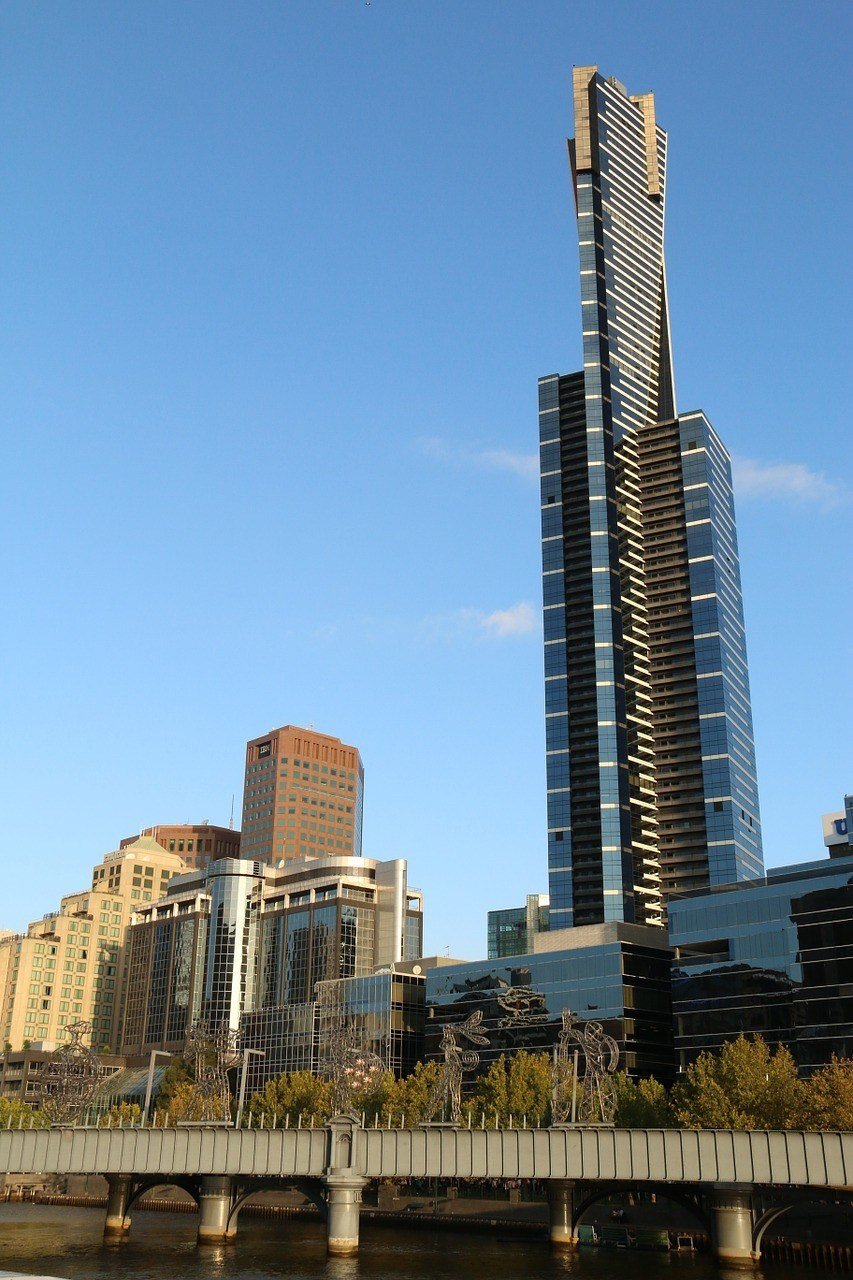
column 258, row 1053
column 149, row 1087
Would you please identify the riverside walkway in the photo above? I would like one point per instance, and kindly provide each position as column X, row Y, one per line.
column 736, row 1183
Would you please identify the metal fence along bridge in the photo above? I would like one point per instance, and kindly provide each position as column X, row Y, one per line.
column 736, row 1183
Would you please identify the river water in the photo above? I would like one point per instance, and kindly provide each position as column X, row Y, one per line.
column 67, row 1243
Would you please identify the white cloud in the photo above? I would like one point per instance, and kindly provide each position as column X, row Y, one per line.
column 518, row 620
column 791, row 480
column 525, row 465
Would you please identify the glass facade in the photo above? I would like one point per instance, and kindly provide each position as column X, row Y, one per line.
column 619, row 633
column 237, row 938
column 236, row 888
column 286, row 1035
column 388, row 1010
column 165, row 978
column 511, row 932
column 621, row 983
column 773, row 956
column 732, row 824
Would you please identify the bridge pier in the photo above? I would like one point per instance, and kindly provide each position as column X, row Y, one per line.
column 561, row 1214
column 343, row 1210
column 117, row 1223
column 214, row 1210
column 732, row 1210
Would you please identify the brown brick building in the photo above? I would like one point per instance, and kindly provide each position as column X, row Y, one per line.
column 302, row 797
column 197, row 843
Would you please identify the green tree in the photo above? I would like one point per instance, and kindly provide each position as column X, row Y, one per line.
column 641, row 1105
column 744, row 1086
column 408, row 1098
column 15, row 1114
column 826, row 1099
column 178, row 1072
column 376, row 1099
column 287, row 1097
column 187, row 1103
column 517, row 1087
column 121, row 1113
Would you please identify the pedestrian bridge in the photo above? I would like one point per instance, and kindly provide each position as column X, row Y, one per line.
column 716, row 1172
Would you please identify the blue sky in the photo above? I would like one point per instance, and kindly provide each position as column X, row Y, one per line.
column 277, row 283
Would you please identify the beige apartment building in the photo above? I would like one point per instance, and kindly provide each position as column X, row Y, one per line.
column 302, row 797
column 69, row 966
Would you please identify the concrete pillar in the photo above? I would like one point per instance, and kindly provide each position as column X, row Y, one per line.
column 117, row 1224
column 561, row 1214
column 343, row 1207
column 214, row 1210
column 732, row 1212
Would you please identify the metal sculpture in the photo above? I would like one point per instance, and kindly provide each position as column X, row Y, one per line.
column 211, row 1051
column 351, row 1067
column 70, row 1076
column 447, row 1090
column 601, row 1057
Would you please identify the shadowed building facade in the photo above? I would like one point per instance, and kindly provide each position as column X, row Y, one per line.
column 770, row 957
column 650, row 757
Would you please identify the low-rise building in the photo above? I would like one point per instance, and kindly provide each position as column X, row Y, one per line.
column 617, row 974
column 771, row 956
column 20, row 1075
column 384, row 1009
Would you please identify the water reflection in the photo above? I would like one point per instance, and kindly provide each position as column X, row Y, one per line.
column 68, row 1243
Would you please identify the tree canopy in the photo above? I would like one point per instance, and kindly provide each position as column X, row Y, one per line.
column 744, row 1086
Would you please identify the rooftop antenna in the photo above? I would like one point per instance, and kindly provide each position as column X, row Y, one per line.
column 231, row 820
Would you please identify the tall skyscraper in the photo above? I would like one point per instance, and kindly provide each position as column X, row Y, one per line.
column 650, row 756
column 302, row 797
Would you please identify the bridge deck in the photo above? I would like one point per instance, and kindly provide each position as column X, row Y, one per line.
column 791, row 1159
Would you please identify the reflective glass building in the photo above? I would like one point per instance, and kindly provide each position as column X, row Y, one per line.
column 650, row 758
column 511, row 931
column 237, row 938
column 773, row 956
column 616, row 974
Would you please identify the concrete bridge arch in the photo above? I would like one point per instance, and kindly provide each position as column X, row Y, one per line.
column 585, row 1199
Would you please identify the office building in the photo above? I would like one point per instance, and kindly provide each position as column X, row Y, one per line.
column 302, row 797
column 385, row 1008
column 614, row 973
column 241, row 938
column 650, row 758
column 511, row 931
column 838, row 830
column 197, row 843
column 771, row 956
column 70, row 965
